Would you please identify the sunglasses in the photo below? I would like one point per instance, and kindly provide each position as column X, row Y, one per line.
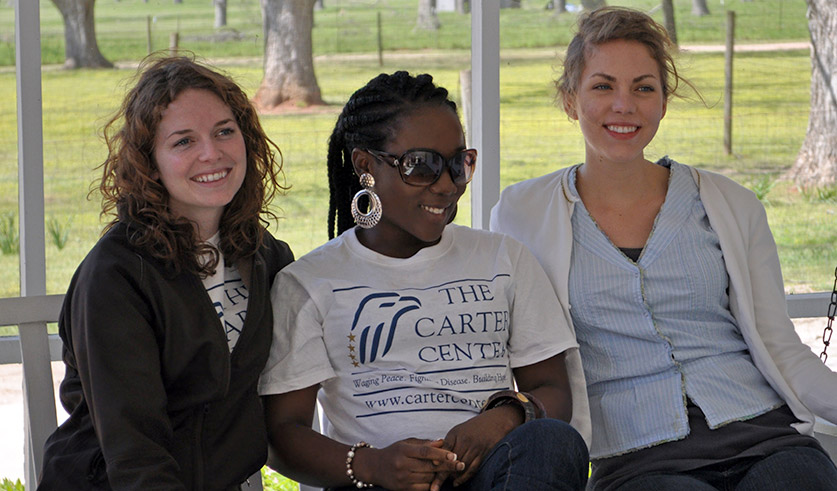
column 423, row 166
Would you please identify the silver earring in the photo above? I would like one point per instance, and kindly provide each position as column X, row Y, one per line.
column 373, row 213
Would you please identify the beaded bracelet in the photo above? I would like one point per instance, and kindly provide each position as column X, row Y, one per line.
column 350, row 457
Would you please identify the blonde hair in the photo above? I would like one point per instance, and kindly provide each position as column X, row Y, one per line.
column 614, row 24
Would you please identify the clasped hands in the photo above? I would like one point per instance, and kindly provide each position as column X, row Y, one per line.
column 420, row 465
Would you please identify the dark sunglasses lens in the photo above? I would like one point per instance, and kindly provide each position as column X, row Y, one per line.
column 424, row 167
column 462, row 167
column 421, row 167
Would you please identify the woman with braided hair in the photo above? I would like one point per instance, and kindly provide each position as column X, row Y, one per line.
column 417, row 333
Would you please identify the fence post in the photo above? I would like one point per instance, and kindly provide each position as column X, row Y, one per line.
column 728, row 56
column 148, row 45
column 380, row 42
column 174, row 39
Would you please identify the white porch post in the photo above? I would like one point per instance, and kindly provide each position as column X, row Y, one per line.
column 485, row 108
column 38, row 401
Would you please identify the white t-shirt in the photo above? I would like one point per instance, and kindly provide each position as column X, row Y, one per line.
column 410, row 347
column 228, row 295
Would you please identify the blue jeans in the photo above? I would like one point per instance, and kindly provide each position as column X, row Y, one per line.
column 543, row 454
column 792, row 468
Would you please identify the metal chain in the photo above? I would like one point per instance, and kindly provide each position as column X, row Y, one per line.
column 832, row 309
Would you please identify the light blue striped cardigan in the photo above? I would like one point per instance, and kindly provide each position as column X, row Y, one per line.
column 538, row 213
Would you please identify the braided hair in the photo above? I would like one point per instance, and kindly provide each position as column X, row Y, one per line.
column 369, row 120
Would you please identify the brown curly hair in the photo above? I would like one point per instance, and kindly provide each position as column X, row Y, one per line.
column 132, row 195
column 613, row 24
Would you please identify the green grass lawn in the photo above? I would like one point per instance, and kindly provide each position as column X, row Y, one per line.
column 770, row 120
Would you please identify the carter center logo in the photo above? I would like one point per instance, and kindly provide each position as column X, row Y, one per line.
column 369, row 341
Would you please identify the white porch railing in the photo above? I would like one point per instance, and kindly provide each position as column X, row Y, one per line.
column 35, row 350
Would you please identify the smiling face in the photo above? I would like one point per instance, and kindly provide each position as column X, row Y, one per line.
column 201, row 158
column 619, row 102
column 413, row 216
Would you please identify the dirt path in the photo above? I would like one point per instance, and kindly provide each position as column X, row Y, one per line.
column 464, row 54
column 706, row 48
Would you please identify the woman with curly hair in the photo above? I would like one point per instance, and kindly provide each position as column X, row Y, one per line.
column 167, row 322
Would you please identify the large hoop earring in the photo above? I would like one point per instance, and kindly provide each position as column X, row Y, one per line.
column 373, row 213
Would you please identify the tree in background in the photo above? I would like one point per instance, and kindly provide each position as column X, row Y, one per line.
column 220, row 13
column 816, row 163
column 288, row 55
column 427, row 18
column 592, row 4
column 700, row 8
column 80, row 48
column 668, row 16
column 560, row 6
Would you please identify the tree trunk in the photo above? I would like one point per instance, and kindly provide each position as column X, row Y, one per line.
column 220, row 13
column 668, row 16
column 463, row 6
column 80, row 48
column 558, row 7
column 592, row 4
column 318, row 5
column 700, row 8
column 288, row 55
column 816, row 163
column 427, row 18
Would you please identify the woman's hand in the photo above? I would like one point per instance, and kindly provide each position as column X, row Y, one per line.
column 304, row 455
column 472, row 440
column 409, row 464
